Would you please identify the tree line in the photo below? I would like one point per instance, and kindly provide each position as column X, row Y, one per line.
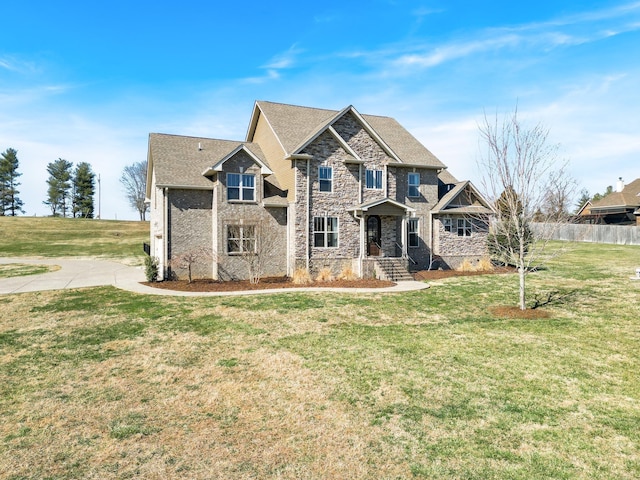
column 70, row 191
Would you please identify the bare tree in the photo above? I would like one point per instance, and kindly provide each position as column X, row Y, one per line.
column 187, row 260
column 256, row 244
column 520, row 173
column 134, row 180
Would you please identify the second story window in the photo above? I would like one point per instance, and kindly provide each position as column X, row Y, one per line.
column 241, row 186
column 373, row 179
column 413, row 185
column 325, row 176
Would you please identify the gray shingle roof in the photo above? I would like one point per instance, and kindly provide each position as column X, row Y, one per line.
column 294, row 124
column 178, row 161
column 627, row 198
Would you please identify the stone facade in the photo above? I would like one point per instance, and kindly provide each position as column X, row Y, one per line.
column 454, row 249
column 199, row 216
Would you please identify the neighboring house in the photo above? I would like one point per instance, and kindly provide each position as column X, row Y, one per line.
column 621, row 207
column 310, row 188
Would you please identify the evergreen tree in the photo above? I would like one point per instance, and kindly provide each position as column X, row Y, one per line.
column 10, row 203
column 59, row 183
column 83, row 191
column 584, row 198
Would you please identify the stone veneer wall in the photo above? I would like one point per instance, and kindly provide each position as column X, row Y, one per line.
column 189, row 220
column 454, row 249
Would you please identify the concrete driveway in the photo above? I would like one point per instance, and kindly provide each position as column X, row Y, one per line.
column 73, row 273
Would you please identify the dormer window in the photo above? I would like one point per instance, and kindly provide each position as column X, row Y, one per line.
column 241, row 187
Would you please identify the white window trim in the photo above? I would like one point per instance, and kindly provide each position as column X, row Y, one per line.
column 416, row 232
column 330, row 180
column 449, row 221
column 374, row 172
column 241, row 239
column 409, row 185
column 241, row 188
column 326, row 232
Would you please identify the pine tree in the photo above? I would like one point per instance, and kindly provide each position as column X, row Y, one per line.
column 83, row 191
column 10, row 203
column 59, row 183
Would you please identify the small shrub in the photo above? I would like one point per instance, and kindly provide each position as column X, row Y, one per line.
column 301, row 276
column 485, row 265
column 347, row 273
column 325, row 275
column 151, row 268
column 465, row 266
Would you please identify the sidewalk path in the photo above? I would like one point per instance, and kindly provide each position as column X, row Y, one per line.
column 76, row 273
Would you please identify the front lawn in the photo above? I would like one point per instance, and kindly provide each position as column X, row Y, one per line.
column 102, row 383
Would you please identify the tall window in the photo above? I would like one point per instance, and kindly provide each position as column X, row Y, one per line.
column 464, row 227
column 241, row 186
column 325, row 231
column 412, row 227
column 413, row 185
column 241, row 239
column 448, row 224
column 373, row 179
column 325, row 175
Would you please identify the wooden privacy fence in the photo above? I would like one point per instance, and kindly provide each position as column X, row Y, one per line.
column 617, row 234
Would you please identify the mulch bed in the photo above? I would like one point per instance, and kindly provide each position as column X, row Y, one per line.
column 515, row 312
column 207, row 285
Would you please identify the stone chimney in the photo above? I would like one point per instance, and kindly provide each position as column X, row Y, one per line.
column 619, row 185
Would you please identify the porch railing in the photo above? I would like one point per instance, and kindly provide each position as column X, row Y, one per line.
column 405, row 255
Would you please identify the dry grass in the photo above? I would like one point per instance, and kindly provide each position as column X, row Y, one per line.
column 103, row 384
column 347, row 273
column 485, row 265
column 301, row 277
column 325, row 275
column 466, row 266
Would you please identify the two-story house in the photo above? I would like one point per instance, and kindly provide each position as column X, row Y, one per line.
column 310, row 188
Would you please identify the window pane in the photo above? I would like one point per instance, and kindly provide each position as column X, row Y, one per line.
column 233, row 245
column 378, row 183
column 332, row 224
column 233, row 180
column 233, row 193
column 247, row 194
column 318, row 239
column 332, row 239
column 413, row 185
column 368, row 178
column 248, row 180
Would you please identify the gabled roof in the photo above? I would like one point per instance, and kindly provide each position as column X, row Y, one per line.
column 217, row 167
column 296, row 126
column 447, row 205
column 180, row 161
column 628, row 198
column 371, row 206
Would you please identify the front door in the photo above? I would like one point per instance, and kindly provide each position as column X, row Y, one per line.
column 373, row 236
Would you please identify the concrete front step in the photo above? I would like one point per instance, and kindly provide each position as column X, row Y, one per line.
column 394, row 269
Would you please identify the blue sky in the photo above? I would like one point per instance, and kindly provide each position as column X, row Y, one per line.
column 88, row 81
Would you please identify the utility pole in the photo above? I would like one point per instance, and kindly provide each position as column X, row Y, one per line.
column 99, row 197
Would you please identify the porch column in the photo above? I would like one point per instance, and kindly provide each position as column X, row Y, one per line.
column 362, row 244
column 404, row 236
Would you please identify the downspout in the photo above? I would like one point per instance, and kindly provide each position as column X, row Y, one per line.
column 165, row 232
column 214, row 230
column 308, row 211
